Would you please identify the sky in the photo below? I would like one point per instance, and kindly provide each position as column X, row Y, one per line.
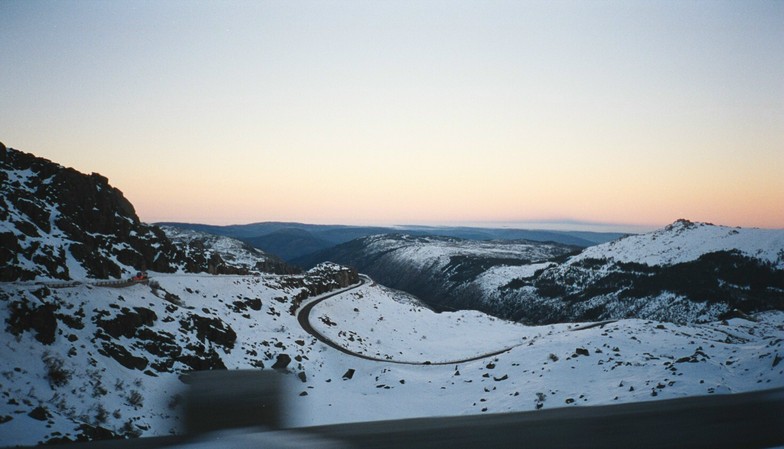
column 407, row 112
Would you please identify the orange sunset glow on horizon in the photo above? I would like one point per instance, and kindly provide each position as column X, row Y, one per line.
column 626, row 113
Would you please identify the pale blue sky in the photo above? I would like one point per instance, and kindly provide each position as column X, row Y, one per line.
column 407, row 112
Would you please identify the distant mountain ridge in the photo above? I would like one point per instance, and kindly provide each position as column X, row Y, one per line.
column 292, row 241
column 685, row 272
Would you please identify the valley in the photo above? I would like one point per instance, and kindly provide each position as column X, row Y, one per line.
column 485, row 327
column 684, row 273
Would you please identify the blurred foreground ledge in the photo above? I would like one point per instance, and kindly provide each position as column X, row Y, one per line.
column 242, row 409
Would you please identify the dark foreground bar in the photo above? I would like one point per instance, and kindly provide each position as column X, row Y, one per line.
column 241, row 409
column 748, row 420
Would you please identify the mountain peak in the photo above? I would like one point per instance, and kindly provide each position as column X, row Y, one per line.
column 682, row 223
column 684, row 241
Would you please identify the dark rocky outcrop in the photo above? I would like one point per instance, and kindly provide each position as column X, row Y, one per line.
column 202, row 360
column 40, row 319
column 88, row 218
column 715, row 285
column 282, row 361
column 50, row 214
column 320, row 279
column 122, row 356
column 127, row 323
column 211, row 329
column 40, row 413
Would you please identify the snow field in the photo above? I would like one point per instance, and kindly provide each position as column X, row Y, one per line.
column 547, row 366
column 625, row 361
column 369, row 322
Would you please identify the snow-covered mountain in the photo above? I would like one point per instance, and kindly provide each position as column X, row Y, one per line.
column 85, row 360
column 297, row 242
column 684, row 241
column 447, row 273
column 685, row 272
column 225, row 254
column 58, row 223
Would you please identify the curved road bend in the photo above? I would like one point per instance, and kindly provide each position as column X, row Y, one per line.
column 303, row 316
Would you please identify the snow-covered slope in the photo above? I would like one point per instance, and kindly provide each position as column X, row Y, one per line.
column 112, row 363
column 441, row 251
column 87, row 362
column 684, row 241
column 685, row 272
column 447, row 273
column 225, row 251
column 542, row 367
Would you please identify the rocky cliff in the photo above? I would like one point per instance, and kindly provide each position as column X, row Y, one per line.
column 58, row 223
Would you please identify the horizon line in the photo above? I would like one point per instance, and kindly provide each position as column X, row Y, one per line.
column 565, row 225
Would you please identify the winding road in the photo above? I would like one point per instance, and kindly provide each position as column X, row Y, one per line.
column 303, row 316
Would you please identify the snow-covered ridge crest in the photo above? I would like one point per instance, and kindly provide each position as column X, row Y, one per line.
column 685, row 241
column 432, row 250
column 222, row 252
